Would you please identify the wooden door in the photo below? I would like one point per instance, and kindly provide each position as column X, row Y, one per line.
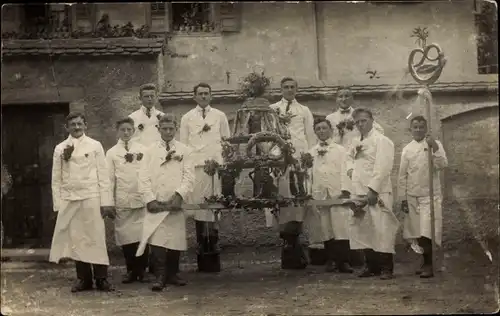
column 29, row 135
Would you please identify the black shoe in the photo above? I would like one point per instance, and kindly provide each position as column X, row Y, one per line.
column 367, row 272
column 427, row 272
column 130, row 277
column 103, row 285
column 82, row 285
column 175, row 280
column 330, row 267
column 344, row 268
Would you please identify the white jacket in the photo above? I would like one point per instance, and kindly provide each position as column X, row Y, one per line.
column 85, row 175
column 146, row 131
column 124, row 175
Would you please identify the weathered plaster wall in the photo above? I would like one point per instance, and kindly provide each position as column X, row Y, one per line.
column 329, row 48
column 122, row 13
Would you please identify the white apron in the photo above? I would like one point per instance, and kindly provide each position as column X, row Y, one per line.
column 329, row 223
column 164, row 229
column 128, row 225
column 79, row 233
column 376, row 228
column 417, row 222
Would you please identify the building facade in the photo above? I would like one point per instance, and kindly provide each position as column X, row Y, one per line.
column 93, row 57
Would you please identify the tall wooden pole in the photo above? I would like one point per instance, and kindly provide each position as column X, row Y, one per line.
column 427, row 74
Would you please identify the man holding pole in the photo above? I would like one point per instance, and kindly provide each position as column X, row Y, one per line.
column 166, row 177
column 374, row 230
column 413, row 191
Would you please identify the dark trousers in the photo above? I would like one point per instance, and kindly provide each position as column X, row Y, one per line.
column 135, row 264
column 426, row 245
column 292, row 253
column 337, row 251
column 84, row 271
column 166, row 262
column 208, row 255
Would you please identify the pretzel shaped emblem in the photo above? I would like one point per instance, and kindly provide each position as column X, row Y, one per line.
column 426, row 73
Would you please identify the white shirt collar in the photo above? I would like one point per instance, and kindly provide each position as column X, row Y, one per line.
column 350, row 109
column 145, row 109
column 285, row 101
column 171, row 143
column 77, row 141
column 200, row 109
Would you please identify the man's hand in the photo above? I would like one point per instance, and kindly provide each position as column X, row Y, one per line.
column 349, row 173
column 404, row 206
column 155, row 207
column 432, row 143
column 372, row 197
column 108, row 212
column 174, row 203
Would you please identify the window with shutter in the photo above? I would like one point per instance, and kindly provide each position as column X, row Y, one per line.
column 230, row 17
column 158, row 17
column 486, row 20
column 83, row 17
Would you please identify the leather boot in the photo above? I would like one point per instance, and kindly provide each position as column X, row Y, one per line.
column 342, row 256
column 372, row 267
column 208, row 255
column 427, row 268
column 330, row 255
column 84, row 275
column 292, row 183
column 387, row 265
column 421, row 243
column 172, row 268
column 159, row 262
column 129, row 256
column 101, row 278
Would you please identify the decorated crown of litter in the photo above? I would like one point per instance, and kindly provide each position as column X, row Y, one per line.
column 254, row 85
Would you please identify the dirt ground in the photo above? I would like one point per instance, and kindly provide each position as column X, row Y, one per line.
column 255, row 285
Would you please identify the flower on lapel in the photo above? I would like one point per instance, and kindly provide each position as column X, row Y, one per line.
column 286, row 118
column 66, row 154
column 129, row 157
column 322, row 152
column 140, row 127
column 172, row 156
column 349, row 124
column 86, row 155
column 159, row 116
column 359, row 149
column 205, row 128
column 139, row 156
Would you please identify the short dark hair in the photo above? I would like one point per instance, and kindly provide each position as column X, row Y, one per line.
column 319, row 120
column 357, row 111
column 147, row 86
column 288, row 79
column 202, row 85
column 74, row 115
column 168, row 118
column 125, row 120
column 418, row 118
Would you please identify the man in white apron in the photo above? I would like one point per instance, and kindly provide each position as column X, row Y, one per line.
column 413, row 191
column 81, row 191
column 202, row 129
column 147, row 116
column 166, row 177
column 146, row 121
column 330, row 225
column 302, row 138
column 374, row 230
column 124, row 160
column 344, row 131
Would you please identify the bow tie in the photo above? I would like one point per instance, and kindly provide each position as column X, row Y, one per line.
column 323, row 144
column 345, row 111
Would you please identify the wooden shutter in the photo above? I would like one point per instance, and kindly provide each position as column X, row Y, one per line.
column 230, row 17
column 83, row 17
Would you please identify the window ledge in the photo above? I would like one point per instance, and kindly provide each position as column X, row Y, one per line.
column 195, row 34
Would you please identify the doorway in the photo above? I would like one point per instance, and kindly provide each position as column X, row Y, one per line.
column 30, row 133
